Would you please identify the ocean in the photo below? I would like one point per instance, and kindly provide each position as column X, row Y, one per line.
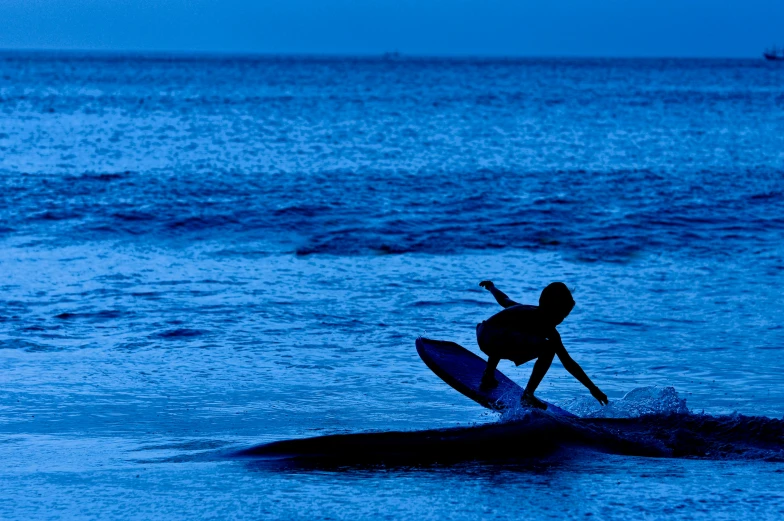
column 201, row 254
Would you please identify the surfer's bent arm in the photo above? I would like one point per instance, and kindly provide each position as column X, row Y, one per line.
column 499, row 295
column 577, row 371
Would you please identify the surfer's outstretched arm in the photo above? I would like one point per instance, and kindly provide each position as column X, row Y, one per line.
column 577, row 371
column 499, row 295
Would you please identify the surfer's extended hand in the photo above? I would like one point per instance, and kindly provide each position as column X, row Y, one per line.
column 596, row 393
column 499, row 295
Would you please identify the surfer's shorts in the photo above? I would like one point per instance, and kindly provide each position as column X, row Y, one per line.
column 509, row 344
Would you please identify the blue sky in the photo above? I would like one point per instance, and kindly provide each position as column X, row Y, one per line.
column 429, row 27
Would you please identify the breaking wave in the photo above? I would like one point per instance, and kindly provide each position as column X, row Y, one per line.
column 647, row 421
column 639, row 402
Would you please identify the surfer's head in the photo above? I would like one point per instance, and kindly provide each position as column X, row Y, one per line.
column 556, row 302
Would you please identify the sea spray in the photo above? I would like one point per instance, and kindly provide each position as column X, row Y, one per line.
column 635, row 403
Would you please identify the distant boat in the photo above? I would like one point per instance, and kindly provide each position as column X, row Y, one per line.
column 774, row 54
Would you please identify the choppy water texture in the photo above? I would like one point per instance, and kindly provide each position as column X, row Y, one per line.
column 204, row 254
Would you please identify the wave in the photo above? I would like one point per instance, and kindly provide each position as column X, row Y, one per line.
column 27, row 346
column 371, row 212
column 107, row 314
column 55, row 215
column 647, row 422
column 182, row 333
column 101, row 176
column 638, row 402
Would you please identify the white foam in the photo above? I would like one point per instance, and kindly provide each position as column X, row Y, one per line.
column 515, row 413
column 640, row 401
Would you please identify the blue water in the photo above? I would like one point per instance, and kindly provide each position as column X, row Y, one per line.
column 201, row 254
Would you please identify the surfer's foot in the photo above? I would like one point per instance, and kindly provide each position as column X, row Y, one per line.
column 488, row 382
column 529, row 400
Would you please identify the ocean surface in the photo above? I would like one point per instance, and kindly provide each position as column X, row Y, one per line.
column 201, row 254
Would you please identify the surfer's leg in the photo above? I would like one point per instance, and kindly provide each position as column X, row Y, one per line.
column 541, row 367
column 488, row 378
column 485, row 337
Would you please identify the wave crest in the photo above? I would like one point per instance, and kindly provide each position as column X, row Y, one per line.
column 638, row 402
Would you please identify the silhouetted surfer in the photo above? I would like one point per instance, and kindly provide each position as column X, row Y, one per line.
column 521, row 333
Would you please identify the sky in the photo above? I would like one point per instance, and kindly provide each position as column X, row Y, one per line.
column 700, row 28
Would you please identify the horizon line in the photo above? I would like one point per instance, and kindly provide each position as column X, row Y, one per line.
column 391, row 55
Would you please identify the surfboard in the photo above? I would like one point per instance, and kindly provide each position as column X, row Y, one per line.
column 463, row 370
